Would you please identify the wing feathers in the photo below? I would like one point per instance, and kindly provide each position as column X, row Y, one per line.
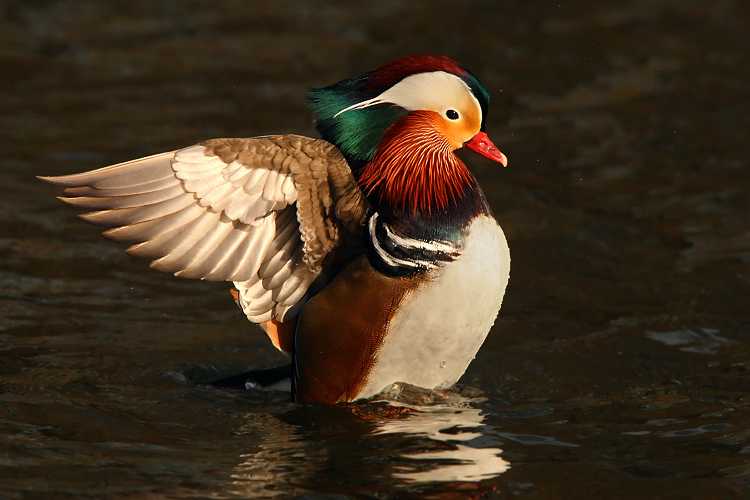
column 134, row 215
column 136, row 200
column 244, row 261
column 156, row 185
column 287, row 245
column 263, row 213
column 169, row 243
column 255, row 182
column 132, row 173
column 189, row 264
column 286, row 289
column 144, row 231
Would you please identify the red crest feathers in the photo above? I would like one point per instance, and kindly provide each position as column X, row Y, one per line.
column 389, row 74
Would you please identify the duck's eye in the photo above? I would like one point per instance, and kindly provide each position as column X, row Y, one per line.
column 452, row 114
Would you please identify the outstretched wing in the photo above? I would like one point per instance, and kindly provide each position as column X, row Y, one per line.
column 263, row 213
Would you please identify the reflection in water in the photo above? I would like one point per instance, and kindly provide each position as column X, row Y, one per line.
column 383, row 444
column 699, row 430
column 533, row 439
column 703, row 340
column 274, row 461
column 470, row 453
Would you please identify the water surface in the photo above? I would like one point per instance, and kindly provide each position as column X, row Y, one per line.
column 618, row 367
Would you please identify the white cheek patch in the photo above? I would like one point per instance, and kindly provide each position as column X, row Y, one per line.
column 436, row 91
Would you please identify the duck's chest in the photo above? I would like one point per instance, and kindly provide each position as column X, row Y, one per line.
column 440, row 322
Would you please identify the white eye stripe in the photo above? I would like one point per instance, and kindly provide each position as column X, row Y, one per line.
column 423, row 91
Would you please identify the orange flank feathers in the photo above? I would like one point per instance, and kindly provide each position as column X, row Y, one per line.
column 280, row 334
column 415, row 166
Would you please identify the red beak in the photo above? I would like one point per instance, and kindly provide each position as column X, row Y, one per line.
column 483, row 145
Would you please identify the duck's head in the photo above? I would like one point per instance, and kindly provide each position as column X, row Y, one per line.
column 404, row 118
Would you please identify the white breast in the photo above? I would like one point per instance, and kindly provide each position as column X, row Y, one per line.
column 440, row 326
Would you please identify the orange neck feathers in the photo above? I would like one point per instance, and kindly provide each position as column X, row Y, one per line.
column 414, row 167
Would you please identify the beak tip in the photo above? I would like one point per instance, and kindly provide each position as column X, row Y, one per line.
column 482, row 144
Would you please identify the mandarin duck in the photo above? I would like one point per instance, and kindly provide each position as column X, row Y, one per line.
column 370, row 256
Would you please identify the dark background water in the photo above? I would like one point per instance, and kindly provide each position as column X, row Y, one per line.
column 618, row 367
